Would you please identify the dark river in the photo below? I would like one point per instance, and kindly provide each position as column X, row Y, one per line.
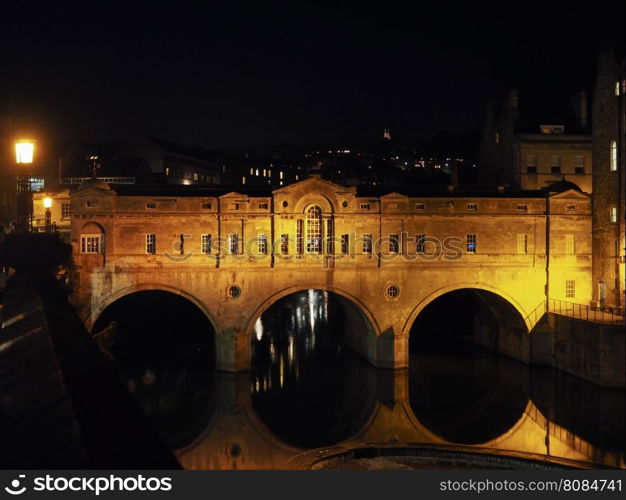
column 310, row 402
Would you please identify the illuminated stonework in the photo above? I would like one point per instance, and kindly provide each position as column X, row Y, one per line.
column 315, row 234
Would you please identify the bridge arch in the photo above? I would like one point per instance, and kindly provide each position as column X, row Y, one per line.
column 464, row 286
column 349, row 299
column 100, row 307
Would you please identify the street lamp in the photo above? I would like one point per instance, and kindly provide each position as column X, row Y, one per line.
column 47, row 204
column 24, row 157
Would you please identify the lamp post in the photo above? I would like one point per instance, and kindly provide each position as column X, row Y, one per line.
column 24, row 155
column 47, row 204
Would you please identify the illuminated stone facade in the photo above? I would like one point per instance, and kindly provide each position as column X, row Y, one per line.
column 388, row 256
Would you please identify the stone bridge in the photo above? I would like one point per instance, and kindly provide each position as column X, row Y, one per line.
column 386, row 256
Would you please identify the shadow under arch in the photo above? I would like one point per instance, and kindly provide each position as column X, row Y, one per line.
column 465, row 286
column 163, row 347
column 306, row 388
column 100, row 307
column 459, row 392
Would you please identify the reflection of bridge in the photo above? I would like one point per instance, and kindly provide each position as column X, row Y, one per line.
column 237, row 439
column 387, row 257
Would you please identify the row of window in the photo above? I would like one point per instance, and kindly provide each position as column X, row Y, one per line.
column 555, row 164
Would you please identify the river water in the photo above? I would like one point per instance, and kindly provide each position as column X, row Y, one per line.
column 310, row 402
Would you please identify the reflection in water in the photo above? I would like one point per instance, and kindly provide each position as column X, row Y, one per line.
column 469, row 396
column 302, row 386
column 170, row 370
column 306, row 391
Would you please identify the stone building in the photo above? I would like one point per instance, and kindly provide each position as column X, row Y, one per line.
column 609, row 143
column 386, row 253
column 528, row 146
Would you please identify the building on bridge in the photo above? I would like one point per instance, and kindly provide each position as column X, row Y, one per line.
column 386, row 254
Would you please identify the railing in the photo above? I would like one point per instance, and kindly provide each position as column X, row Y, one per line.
column 608, row 315
column 535, row 315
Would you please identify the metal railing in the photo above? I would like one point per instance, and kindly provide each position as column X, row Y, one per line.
column 607, row 315
column 535, row 315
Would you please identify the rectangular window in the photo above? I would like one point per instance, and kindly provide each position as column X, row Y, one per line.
column 284, row 244
column 420, row 243
column 233, row 243
column 531, row 164
column 206, row 206
column 579, row 165
column 151, row 243
column 613, row 215
column 195, row 176
column 150, row 205
column 571, row 208
column 394, row 243
column 365, row 206
column 205, row 243
column 570, row 289
column 262, row 244
column 345, row 244
column 420, row 206
column 90, row 243
column 522, row 208
column 92, row 204
column 555, row 164
column 330, row 237
column 233, row 206
column 263, row 206
column 472, row 206
column 65, row 211
column 471, row 243
column 299, row 236
column 367, row 243
column 569, row 244
column 522, row 243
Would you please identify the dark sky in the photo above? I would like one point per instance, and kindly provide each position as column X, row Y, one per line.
column 234, row 73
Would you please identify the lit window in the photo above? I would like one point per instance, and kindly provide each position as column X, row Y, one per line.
column 264, row 173
column 251, row 171
column 367, row 243
column 522, row 243
column 65, row 210
column 233, row 243
column 243, row 180
column 205, row 243
column 472, row 206
column 280, row 174
column 613, row 214
column 151, row 243
column 617, row 92
column 167, row 170
column 365, row 206
column 570, row 289
column 284, row 244
column 299, row 235
column 394, row 243
column 90, row 243
column 195, row 176
column 345, row 244
column 496, row 137
column 613, row 166
column 420, row 206
column 314, row 230
column 330, row 237
column 569, row 244
column 420, row 243
column 471, row 243
column 262, row 244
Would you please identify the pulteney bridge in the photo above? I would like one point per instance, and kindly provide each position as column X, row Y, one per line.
column 385, row 256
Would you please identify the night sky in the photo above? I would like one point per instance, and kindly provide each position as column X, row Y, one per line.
column 237, row 74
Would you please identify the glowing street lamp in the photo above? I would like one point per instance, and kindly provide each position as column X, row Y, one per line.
column 24, row 157
column 24, row 151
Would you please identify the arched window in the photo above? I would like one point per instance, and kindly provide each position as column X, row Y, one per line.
column 92, row 239
column 613, row 156
column 314, row 230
